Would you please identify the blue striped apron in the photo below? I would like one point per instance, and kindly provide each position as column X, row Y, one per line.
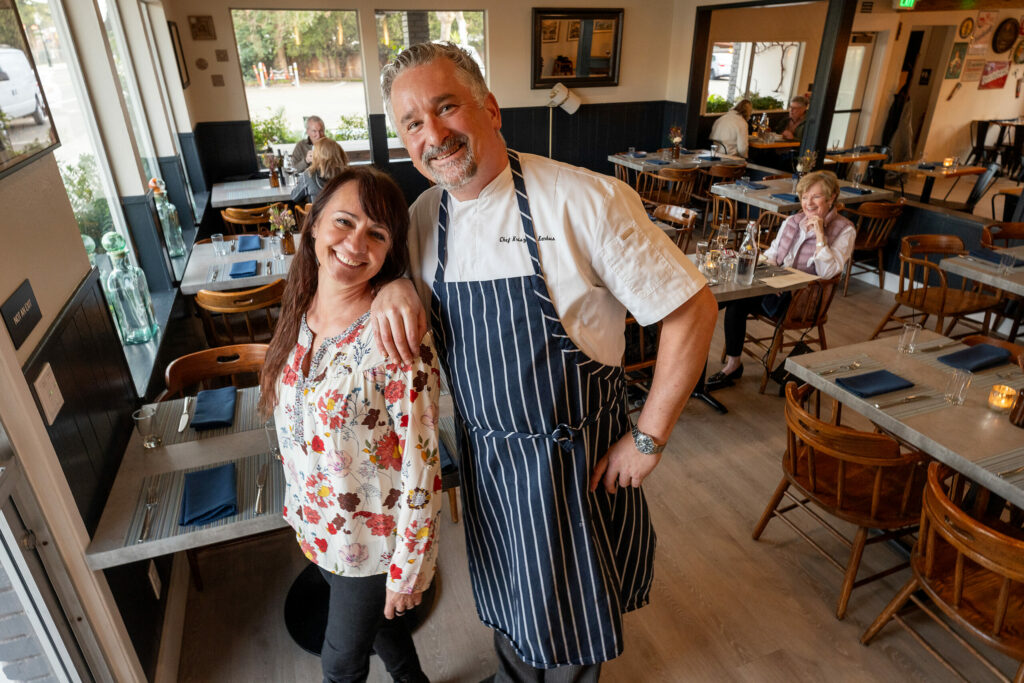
column 553, row 566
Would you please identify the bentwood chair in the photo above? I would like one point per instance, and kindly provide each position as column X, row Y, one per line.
column 238, row 316
column 924, row 290
column 861, row 478
column 719, row 173
column 667, row 186
column 680, row 218
column 301, row 212
column 247, row 220
column 768, row 224
column 1004, row 235
column 874, row 222
column 238, row 365
column 969, row 562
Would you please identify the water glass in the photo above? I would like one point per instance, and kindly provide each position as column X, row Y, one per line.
column 666, row 155
column 632, row 151
column 908, row 337
column 745, row 183
column 1006, row 263
column 957, row 384
column 270, row 429
column 857, row 177
column 145, row 422
column 727, row 266
column 219, row 246
column 276, row 247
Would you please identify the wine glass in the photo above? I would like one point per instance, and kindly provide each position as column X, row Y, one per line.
column 857, row 177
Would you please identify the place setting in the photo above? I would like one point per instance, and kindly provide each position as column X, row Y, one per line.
column 211, row 413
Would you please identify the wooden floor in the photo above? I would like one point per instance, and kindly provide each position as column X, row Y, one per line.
column 723, row 607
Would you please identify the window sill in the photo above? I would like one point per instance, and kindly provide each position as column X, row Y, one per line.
column 142, row 357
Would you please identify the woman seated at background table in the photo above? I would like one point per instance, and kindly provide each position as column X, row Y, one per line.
column 357, row 431
column 329, row 159
column 732, row 131
column 816, row 240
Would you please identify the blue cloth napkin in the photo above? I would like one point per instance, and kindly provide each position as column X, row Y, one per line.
column 855, row 190
column 976, row 357
column 751, row 185
column 786, row 197
column 927, row 167
column 637, row 155
column 209, row 495
column 708, row 157
column 659, row 162
column 243, row 269
column 992, row 256
column 249, row 243
column 872, row 383
column 215, row 408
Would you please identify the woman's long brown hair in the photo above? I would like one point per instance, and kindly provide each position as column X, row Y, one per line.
column 383, row 202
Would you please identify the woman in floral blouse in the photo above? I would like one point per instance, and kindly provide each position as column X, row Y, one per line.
column 357, row 432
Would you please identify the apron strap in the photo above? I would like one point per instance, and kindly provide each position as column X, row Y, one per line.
column 564, row 435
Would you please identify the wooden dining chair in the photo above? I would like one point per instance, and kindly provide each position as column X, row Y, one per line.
column 301, row 211
column 721, row 220
column 969, row 562
column 680, row 218
column 981, row 186
column 804, row 321
column 638, row 361
column 719, row 173
column 241, row 315
column 768, row 224
column 861, row 478
column 667, row 186
column 1003, row 235
column 242, row 220
column 874, row 222
column 924, row 290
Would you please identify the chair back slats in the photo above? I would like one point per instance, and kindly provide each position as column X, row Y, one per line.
column 680, row 218
column 302, row 212
column 667, row 186
column 224, row 313
column 875, row 222
column 768, row 224
column 241, row 220
column 203, row 368
column 1004, row 233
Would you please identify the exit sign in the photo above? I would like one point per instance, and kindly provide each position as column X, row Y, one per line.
column 907, row 4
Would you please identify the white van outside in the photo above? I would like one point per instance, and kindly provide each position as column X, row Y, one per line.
column 19, row 90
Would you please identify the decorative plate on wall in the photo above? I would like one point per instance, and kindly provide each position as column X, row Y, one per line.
column 1018, row 53
column 966, row 27
column 1005, row 35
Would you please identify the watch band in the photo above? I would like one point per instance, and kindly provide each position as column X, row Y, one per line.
column 645, row 443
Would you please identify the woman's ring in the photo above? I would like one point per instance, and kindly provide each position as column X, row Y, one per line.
column 397, row 613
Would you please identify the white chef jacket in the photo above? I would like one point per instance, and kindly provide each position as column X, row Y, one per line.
column 732, row 131
column 598, row 250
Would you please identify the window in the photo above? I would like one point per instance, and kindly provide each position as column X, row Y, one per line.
column 82, row 163
column 398, row 30
column 301, row 63
column 764, row 73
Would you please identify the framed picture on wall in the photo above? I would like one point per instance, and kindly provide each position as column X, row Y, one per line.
column 179, row 54
column 572, row 31
column 1018, row 53
column 202, row 27
column 973, row 69
column 26, row 128
column 993, row 76
column 956, row 60
column 603, row 26
column 549, row 31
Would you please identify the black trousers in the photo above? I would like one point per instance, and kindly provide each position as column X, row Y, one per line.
column 355, row 624
column 735, row 322
column 511, row 669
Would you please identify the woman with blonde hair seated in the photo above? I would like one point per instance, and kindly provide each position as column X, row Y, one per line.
column 329, row 160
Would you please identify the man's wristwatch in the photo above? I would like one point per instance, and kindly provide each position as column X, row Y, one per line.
column 645, row 443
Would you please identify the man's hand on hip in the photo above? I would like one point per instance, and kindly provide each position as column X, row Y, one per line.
column 622, row 465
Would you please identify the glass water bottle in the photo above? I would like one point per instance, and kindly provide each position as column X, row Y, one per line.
column 128, row 294
column 168, row 214
column 746, row 259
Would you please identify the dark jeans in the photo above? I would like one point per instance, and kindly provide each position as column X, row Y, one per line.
column 355, row 623
column 736, row 312
column 511, row 669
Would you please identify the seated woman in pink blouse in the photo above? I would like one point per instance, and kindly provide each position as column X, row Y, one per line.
column 816, row 240
column 357, row 431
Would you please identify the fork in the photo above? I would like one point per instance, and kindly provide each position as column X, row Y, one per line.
column 905, row 399
column 842, row 368
column 151, row 502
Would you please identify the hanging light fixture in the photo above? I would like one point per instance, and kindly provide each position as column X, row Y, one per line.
column 560, row 96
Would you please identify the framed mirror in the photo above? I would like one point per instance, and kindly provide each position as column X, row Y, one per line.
column 26, row 129
column 578, row 48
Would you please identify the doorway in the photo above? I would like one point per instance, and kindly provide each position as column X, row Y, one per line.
column 852, row 84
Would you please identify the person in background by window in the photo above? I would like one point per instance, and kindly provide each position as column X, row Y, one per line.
column 328, row 160
column 302, row 156
column 792, row 127
column 731, row 129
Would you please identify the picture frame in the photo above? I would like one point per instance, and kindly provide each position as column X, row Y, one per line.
column 994, row 75
column 201, row 26
column 925, row 77
column 549, row 31
column 1005, row 35
column 1018, row 53
column 956, row 61
column 966, row 28
column 179, row 54
column 972, row 70
column 591, row 59
column 27, row 131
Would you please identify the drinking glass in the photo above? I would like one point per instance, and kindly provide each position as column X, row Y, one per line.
column 217, row 240
column 957, row 384
column 1006, row 263
column 908, row 337
column 276, row 247
column 666, row 155
column 270, row 429
column 835, row 145
column 632, row 151
column 745, row 183
column 144, row 419
column 727, row 266
column 857, row 177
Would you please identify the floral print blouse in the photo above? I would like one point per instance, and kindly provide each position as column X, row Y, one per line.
column 358, row 440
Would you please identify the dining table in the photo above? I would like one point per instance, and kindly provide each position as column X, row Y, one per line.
column 207, row 270
column 249, row 193
column 652, row 163
column 980, row 270
column 759, row 143
column 971, row 438
column 769, row 197
column 931, row 171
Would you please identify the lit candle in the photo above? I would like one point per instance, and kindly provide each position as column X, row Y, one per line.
column 947, row 162
column 1000, row 399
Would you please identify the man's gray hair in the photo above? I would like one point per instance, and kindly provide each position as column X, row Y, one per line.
column 424, row 53
column 314, row 119
column 799, row 99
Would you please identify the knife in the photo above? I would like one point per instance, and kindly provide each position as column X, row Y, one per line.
column 151, row 501
column 905, row 399
column 183, row 420
column 261, row 483
column 936, row 347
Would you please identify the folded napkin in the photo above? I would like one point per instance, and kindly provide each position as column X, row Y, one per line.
column 855, row 190
column 637, row 155
column 708, row 157
column 976, row 357
column 249, row 243
column 751, row 185
column 243, row 269
column 215, row 408
column 658, row 162
column 927, row 167
column 872, row 383
column 209, row 495
column 993, row 256
column 786, row 197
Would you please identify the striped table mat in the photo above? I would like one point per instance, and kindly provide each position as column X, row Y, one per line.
column 1008, row 465
column 842, row 367
column 171, row 485
column 168, row 414
column 1008, row 373
column 901, row 411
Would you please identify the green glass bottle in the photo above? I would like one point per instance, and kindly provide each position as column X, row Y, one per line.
column 168, row 214
column 128, row 294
